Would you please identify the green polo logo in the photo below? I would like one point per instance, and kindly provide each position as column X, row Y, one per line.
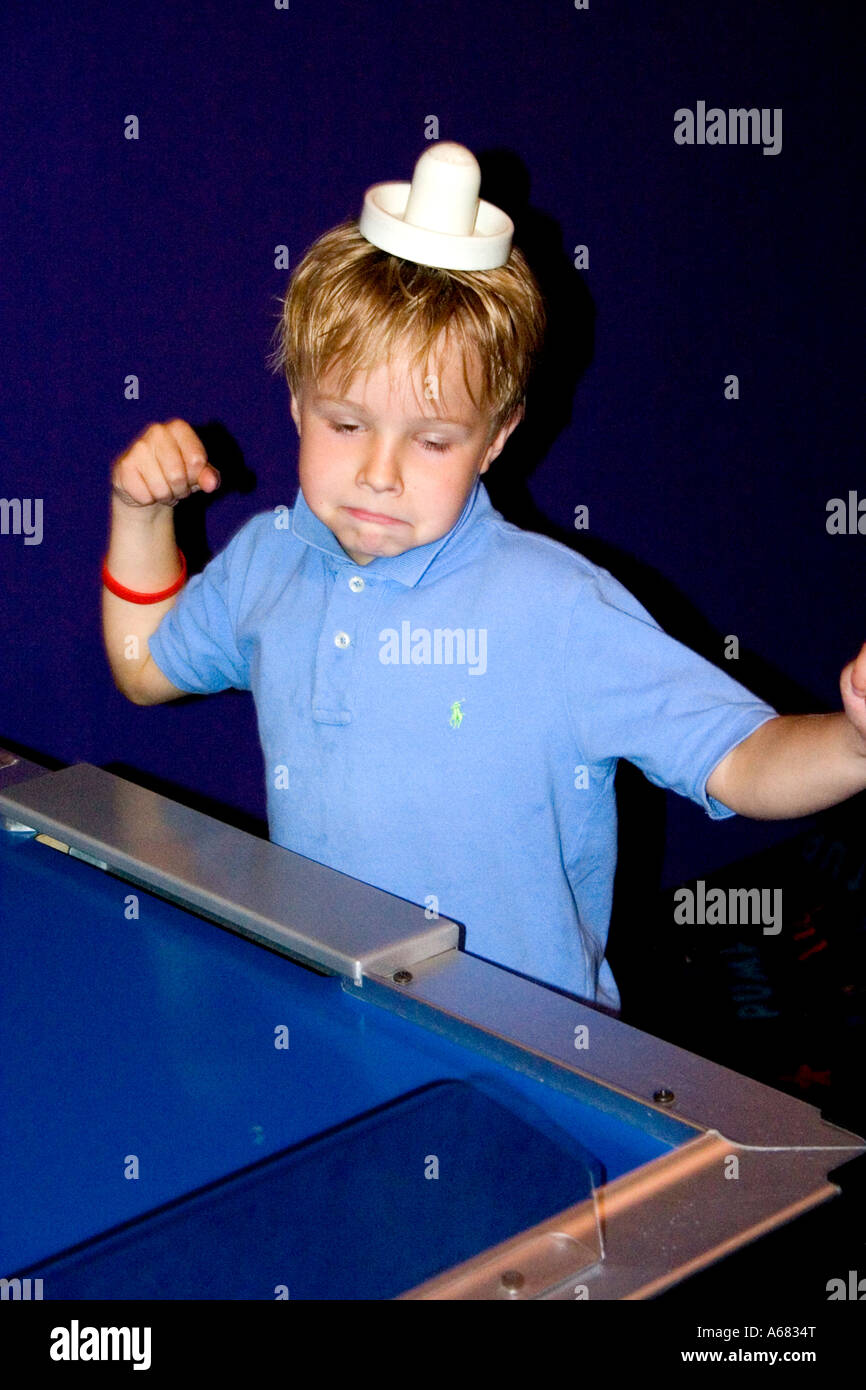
column 456, row 714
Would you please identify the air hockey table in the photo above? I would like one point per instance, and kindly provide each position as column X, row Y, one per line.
column 230, row 1072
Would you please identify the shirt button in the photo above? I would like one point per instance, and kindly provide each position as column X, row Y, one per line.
column 342, row 639
column 356, row 584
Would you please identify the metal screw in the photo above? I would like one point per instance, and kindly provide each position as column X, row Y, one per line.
column 664, row 1096
column 403, row 977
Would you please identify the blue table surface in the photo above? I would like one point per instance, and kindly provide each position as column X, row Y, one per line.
column 153, row 1035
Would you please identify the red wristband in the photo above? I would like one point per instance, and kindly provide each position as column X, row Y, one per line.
column 132, row 597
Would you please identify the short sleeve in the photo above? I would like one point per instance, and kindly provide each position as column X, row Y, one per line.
column 196, row 643
column 635, row 692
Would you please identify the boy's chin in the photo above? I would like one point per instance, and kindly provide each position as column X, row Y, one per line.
column 363, row 557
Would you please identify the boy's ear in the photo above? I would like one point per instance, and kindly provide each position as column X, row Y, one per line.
column 295, row 409
column 500, row 439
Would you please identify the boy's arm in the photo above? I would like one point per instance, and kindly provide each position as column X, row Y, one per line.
column 167, row 463
column 796, row 764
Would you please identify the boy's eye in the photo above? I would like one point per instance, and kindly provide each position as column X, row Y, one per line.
column 436, row 445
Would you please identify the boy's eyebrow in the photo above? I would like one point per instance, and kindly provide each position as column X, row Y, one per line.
column 419, row 419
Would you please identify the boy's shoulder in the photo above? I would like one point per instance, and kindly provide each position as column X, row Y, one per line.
column 531, row 558
column 534, row 549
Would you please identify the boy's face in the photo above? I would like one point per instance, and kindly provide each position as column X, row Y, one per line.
column 387, row 467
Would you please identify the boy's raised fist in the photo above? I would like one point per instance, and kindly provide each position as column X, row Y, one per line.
column 164, row 465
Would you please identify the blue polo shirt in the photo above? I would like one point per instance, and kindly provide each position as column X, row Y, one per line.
column 445, row 724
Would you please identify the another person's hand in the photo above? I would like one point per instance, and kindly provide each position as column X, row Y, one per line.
column 852, row 684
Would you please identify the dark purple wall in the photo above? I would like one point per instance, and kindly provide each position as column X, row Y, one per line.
column 261, row 126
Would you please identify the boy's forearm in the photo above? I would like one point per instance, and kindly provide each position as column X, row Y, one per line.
column 793, row 765
column 142, row 556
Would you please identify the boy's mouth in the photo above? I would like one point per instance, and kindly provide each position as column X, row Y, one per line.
column 374, row 516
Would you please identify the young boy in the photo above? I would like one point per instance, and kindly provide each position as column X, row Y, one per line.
column 442, row 698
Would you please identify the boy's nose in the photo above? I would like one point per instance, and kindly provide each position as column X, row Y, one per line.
column 381, row 463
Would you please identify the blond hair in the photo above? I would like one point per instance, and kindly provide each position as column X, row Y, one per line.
column 352, row 306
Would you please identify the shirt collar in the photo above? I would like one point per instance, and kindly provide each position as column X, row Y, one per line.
column 409, row 567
